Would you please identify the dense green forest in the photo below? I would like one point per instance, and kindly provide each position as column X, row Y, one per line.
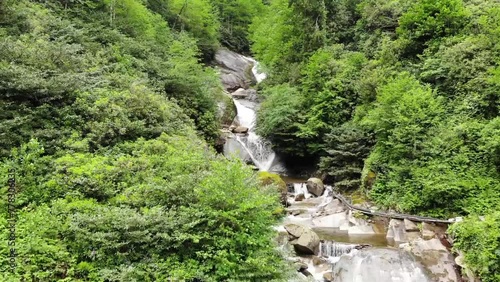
column 108, row 118
column 396, row 99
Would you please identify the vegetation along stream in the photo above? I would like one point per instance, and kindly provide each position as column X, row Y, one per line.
column 249, row 140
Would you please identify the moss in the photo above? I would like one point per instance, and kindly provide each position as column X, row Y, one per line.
column 358, row 197
column 229, row 109
column 360, row 215
column 267, row 178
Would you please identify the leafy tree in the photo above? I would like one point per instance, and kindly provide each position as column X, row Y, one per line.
column 479, row 240
column 348, row 146
column 427, row 21
column 235, row 17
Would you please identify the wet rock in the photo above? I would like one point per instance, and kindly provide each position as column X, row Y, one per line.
column 436, row 259
column 304, row 240
column 328, row 276
column 306, row 273
column 315, row 186
column 317, row 260
column 300, row 197
column 378, row 264
column 240, row 129
column 232, row 148
column 300, row 266
column 240, row 93
column 335, row 220
column 405, row 246
column 410, row 226
column 397, row 231
column 428, row 231
column 335, row 206
column 235, row 70
column 248, row 94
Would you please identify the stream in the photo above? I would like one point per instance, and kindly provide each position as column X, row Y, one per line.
column 347, row 247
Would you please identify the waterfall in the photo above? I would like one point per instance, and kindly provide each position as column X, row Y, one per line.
column 334, row 249
column 258, row 148
column 301, row 188
column 386, row 265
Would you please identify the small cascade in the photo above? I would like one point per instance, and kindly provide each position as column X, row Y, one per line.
column 259, row 76
column 301, row 188
column 334, row 249
column 386, row 265
column 258, row 149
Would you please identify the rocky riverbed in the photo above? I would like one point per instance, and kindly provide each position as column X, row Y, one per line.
column 329, row 242
column 325, row 239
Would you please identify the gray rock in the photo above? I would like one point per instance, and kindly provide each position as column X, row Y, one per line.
column 305, row 241
column 328, row 276
column 299, row 197
column 315, row 186
column 428, row 234
column 436, row 259
column 410, row 226
column 235, row 70
column 240, row 129
column 317, row 260
column 240, row 93
column 248, row 94
column 428, row 231
column 397, row 231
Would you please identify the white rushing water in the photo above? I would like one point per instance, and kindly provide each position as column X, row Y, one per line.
column 378, row 265
column 258, row 148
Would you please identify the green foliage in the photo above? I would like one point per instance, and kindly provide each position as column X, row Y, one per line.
column 235, row 17
column 102, row 102
column 196, row 17
column 429, row 20
column 267, row 178
column 279, row 112
column 273, row 38
column 348, row 146
column 479, row 239
column 422, row 77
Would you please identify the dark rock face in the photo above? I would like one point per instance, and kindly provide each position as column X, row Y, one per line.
column 236, row 70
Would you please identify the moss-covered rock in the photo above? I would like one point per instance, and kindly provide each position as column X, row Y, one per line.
column 268, row 178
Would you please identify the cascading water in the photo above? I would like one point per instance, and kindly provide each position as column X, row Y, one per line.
column 259, row 149
column 386, row 265
column 334, row 249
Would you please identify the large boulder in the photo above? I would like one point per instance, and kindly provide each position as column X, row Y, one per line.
column 315, row 186
column 240, row 129
column 304, row 240
column 436, row 258
column 249, row 94
column 410, row 226
column 328, row 276
column 236, row 70
column 428, row 231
